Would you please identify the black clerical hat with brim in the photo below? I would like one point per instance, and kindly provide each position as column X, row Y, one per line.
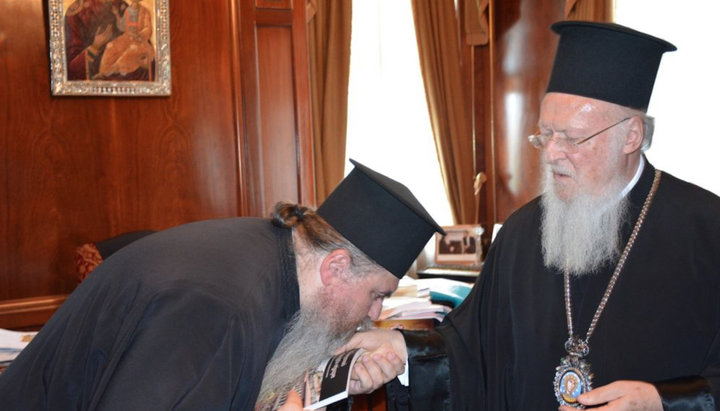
column 379, row 216
column 606, row 61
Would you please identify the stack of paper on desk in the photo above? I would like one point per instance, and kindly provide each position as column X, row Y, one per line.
column 412, row 308
column 11, row 343
column 424, row 298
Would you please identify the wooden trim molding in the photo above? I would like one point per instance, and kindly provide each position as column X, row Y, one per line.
column 29, row 313
column 274, row 4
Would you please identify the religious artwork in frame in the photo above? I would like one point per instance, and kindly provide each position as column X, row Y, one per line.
column 109, row 47
column 459, row 246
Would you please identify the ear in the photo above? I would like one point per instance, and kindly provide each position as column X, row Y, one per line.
column 334, row 266
column 634, row 135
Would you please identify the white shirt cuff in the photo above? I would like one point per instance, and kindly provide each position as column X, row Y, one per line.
column 404, row 378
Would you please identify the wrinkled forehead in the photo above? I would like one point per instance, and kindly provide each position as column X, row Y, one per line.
column 573, row 107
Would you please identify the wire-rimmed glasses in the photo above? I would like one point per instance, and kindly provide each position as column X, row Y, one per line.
column 566, row 144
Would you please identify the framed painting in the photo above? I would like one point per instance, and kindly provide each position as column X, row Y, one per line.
column 459, row 246
column 109, row 47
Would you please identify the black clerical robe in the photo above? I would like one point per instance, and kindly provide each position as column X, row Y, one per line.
column 499, row 349
column 184, row 319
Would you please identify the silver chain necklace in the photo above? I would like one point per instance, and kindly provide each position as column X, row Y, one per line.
column 573, row 376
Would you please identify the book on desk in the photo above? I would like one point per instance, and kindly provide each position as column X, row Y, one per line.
column 464, row 273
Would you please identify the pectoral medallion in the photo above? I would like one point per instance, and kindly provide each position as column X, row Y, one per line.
column 572, row 378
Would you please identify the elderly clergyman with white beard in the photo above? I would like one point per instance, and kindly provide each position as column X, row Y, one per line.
column 188, row 318
column 605, row 290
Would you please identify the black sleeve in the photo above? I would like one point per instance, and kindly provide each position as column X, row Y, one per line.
column 686, row 394
column 699, row 392
column 429, row 375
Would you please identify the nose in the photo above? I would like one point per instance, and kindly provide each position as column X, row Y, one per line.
column 375, row 309
column 553, row 150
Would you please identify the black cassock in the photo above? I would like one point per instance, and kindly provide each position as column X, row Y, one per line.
column 183, row 319
column 499, row 349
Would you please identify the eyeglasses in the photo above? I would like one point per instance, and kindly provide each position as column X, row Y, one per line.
column 566, row 144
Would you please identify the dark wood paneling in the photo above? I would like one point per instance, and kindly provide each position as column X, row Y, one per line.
column 80, row 169
column 277, row 142
column 276, row 109
column 519, row 59
column 28, row 313
column 274, row 4
column 484, row 147
column 303, row 116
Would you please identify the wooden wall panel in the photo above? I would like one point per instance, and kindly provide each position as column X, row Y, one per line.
column 29, row 313
column 80, row 169
column 277, row 115
column 277, row 141
column 483, row 134
column 519, row 60
column 274, row 4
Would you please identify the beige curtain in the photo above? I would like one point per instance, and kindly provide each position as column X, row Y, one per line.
column 437, row 31
column 589, row 10
column 329, row 25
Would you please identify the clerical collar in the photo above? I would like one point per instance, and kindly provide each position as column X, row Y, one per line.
column 635, row 178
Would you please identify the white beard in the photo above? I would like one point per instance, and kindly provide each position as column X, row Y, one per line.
column 581, row 235
column 311, row 338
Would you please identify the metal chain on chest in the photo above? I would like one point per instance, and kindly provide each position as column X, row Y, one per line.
column 581, row 347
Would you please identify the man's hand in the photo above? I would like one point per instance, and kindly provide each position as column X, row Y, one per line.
column 293, row 402
column 374, row 369
column 384, row 360
column 622, row 395
column 374, row 339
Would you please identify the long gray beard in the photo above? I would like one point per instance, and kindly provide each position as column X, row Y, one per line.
column 583, row 234
column 310, row 339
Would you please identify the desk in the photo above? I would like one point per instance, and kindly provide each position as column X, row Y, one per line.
column 29, row 314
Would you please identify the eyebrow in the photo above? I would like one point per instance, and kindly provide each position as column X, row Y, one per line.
column 566, row 131
column 384, row 294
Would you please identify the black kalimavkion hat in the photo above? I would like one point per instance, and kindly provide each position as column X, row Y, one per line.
column 606, row 61
column 379, row 216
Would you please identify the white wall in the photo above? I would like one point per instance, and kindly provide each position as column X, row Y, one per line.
column 684, row 101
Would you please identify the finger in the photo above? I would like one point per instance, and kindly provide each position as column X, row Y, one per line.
column 292, row 403
column 369, row 374
column 293, row 398
column 373, row 368
column 342, row 349
column 360, row 380
column 602, row 395
column 618, row 394
column 397, row 362
column 368, row 340
column 358, row 340
column 389, row 364
column 568, row 408
column 383, row 367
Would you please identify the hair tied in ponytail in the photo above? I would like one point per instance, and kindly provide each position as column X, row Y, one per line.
column 299, row 212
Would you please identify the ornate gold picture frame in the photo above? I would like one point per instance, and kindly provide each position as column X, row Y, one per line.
column 109, row 47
